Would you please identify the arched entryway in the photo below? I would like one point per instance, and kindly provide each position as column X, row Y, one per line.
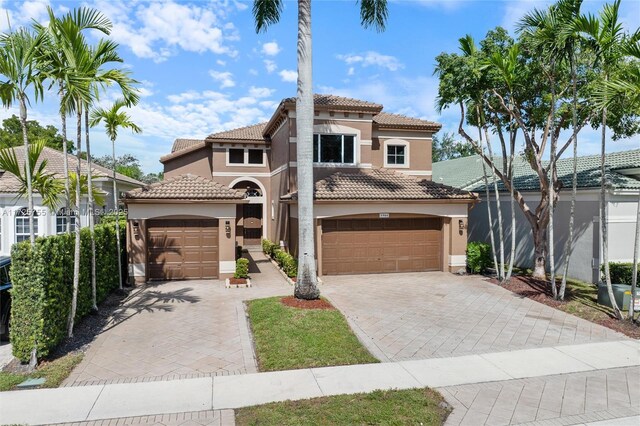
column 249, row 223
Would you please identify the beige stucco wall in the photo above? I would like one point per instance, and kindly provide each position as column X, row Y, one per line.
column 196, row 163
column 139, row 213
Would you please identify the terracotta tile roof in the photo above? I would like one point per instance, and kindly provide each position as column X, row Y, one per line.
column 185, row 187
column 180, row 144
column 381, row 184
column 186, row 150
column 339, row 102
column 385, row 119
column 55, row 164
column 251, row 133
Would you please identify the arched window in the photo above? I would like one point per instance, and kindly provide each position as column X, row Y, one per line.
column 22, row 224
column 61, row 221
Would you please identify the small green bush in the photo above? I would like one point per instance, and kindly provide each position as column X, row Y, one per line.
column 621, row 273
column 269, row 247
column 478, row 257
column 242, row 268
column 42, row 279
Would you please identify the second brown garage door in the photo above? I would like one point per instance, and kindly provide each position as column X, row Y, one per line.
column 366, row 246
column 182, row 249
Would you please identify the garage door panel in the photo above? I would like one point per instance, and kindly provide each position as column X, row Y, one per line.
column 357, row 246
column 183, row 249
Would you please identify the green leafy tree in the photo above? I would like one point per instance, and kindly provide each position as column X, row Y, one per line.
column 268, row 12
column 126, row 164
column 11, row 134
column 447, row 147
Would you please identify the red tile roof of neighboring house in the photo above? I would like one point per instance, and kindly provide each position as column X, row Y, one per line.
column 185, row 187
column 382, row 184
column 385, row 119
column 180, row 144
column 9, row 183
column 339, row 102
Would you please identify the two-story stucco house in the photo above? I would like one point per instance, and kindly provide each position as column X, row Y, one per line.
column 376, row 208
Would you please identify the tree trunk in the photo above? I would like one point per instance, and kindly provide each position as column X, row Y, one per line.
column 27, row 167
column 91, row 209
column 604, row 232
column 487, row 194
column 512, row 137
column 498, row 210
column 116, row 206
column 634, row 277
column 63, row 132
column 306, row 285
column 568, row 246
column 76, row 251
column 540, row 252
column 552, row 191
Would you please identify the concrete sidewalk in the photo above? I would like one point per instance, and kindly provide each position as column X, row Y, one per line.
column 86, row 403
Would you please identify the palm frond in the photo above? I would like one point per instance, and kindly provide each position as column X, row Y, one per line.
column 266, row 13
column 374, row 13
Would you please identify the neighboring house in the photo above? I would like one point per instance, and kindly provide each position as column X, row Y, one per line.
column 14, row 219
column 376, row 208
column 623, row 176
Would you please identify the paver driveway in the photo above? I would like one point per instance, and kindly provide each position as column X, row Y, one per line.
column 179, row 329
column 437, row 314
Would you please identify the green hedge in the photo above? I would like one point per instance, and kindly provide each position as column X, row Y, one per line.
column 286, row 262
column 242, row 268
column 621, row 273
column 478, row 257
column 42, row 280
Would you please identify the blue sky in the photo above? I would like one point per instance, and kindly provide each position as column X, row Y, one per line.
column 204, row 69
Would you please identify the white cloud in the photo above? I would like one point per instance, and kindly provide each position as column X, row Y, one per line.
column 271, row 48
column 351, row 71
column 270, row 65
column 158, row 30
column 260, row 92
column 288, row 76
column 225, row 78
column 28, row 11
column 372, row 58
column 221, row 62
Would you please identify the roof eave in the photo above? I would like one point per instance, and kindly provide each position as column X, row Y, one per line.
column 185, row 201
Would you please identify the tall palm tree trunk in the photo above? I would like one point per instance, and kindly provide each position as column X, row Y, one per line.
column 306, row 283
column 512, row 256
column 94, row 297
column 76, row 251
column 117, row 208
column 27, row 167
column 604, row 231
column 634, row 277
column 65, row 149
column 568, row 246
column 488, row 196
column 498, row 209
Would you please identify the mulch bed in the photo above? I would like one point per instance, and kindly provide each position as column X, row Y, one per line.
column 237, row 281
column 292, row 302
column 540, row 291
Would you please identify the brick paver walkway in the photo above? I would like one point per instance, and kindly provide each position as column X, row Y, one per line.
column 179, row 329
column 436, row 314
column 566, row 399
column 197, row 418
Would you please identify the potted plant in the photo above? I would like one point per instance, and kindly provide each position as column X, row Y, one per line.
column 241, row 276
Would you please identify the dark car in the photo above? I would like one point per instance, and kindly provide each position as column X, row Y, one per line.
column 5, row 297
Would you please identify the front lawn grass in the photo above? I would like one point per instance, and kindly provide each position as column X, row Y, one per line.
column 54, row 372
column 394, row 407
column 289, row 338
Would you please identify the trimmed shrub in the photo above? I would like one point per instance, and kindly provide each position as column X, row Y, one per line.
column 286, row 262
column 242, row 268
column 42, row 280
column 269, row 247
column 478, row 257
column 621, row 273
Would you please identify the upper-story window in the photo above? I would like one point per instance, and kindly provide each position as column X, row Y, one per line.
column 396, row 153
column 334, row 149
column 245, row 156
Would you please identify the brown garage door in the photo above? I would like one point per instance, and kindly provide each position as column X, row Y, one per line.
column 182, row 249
column 367, row 246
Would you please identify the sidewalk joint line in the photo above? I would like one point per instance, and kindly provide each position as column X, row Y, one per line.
column 94, row 403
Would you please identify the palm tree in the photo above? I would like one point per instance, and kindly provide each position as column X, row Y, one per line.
column 267, row 12
column 114, row 119
column 60, row 33
column 551, row 33
column 605, row 34
column 19, row 50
